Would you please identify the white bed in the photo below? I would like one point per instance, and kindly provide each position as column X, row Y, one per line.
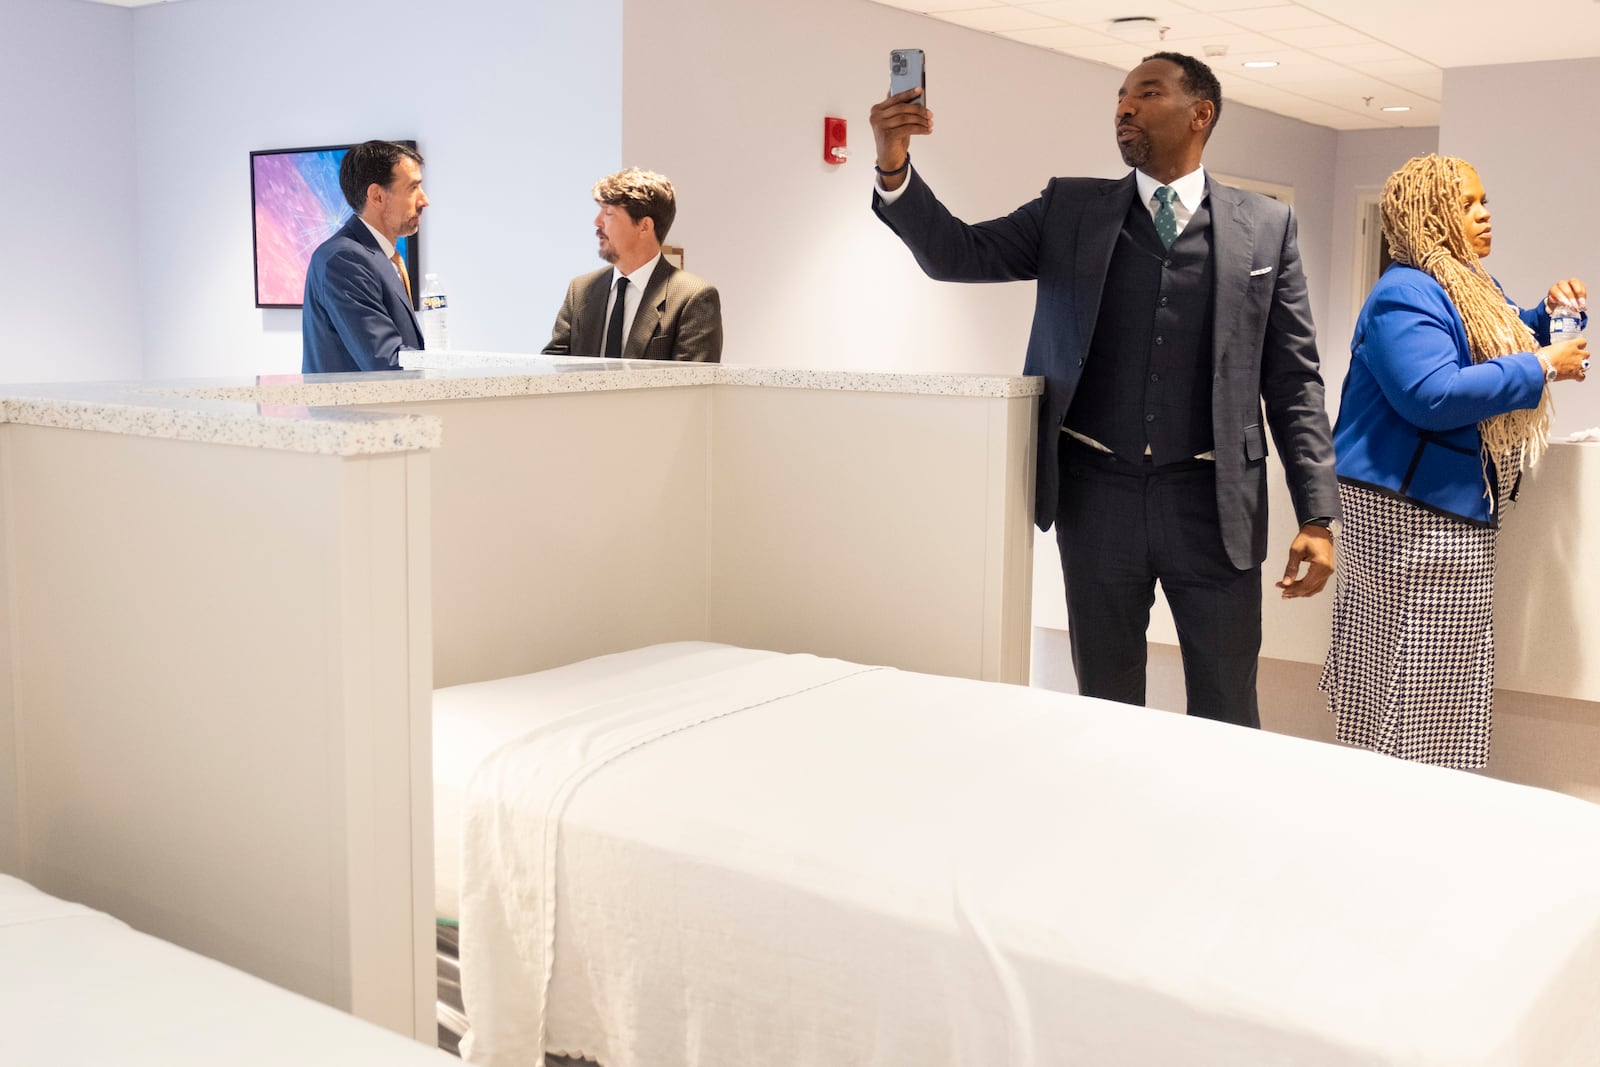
column 78, row 988
column 707, row 856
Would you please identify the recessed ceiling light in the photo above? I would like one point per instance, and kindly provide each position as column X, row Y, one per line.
column 1259, row 64
column 1398, row 107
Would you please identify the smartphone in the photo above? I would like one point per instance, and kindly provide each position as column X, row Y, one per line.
column 908, row 70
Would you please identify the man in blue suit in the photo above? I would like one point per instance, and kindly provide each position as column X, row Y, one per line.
column 1172, row 329
column 358, row 306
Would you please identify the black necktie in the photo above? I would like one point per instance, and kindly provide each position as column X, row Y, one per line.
column 614, row 331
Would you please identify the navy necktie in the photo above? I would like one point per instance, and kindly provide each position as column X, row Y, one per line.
column 614, row 330
column 1166, row 220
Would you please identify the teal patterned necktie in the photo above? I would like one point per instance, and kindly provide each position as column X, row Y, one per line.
column 1166, row 221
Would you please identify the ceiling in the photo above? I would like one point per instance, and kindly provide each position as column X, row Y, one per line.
column 1340, row 62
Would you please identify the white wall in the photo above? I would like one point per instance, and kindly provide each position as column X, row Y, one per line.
column 515, row 105
column 808, row 274
column 810, row 277
column 71, row 237
column 519, row 108
column 1501, row 120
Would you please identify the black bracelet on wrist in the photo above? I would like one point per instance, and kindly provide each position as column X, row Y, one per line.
column 901, row 169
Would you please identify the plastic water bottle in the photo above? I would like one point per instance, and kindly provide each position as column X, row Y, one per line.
column 435, row 314
column 1566, row 323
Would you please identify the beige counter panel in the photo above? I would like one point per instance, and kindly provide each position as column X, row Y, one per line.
column 567, row 526
column 837, row 512
column 220, row 698
column 226, row 606
column 1547, row 585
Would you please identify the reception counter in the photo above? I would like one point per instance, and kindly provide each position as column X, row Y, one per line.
column 227, row 604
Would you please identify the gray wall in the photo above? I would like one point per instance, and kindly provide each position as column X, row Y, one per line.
column 486, row 88
column 809, row 276
column 1363, row 162
column 70, row 235
column 1501, row 120
column 519, row 107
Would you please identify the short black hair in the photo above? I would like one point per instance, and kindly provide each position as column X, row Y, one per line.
column 1197, row 81
column 371, row 163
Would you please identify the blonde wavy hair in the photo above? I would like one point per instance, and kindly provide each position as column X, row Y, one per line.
column 1426, row 227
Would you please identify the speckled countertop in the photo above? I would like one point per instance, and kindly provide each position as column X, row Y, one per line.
column 318, row 413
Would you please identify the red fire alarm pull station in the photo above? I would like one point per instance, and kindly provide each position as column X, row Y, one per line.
column 835, row 148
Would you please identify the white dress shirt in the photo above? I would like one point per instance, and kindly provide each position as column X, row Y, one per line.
column 386, row 246
column 630, row 308
column 1190, row 190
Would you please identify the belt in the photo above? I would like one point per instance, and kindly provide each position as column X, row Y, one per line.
column 1098, row 447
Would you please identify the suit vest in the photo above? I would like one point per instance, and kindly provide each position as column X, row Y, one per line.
column 1148, row 376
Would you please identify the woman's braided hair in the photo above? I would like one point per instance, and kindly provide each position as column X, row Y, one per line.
column 1426, row 228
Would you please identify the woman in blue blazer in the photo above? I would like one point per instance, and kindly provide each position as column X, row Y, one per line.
column 1445, row 401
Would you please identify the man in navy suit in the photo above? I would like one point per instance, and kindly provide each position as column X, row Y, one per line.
column 358, row 307
column 1171, row 311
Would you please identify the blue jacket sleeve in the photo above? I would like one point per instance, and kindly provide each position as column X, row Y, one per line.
column 1415, row 346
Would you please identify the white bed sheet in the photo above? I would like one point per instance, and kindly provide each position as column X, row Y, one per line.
column 78, row 988
column 805, row 862
column 472, row 721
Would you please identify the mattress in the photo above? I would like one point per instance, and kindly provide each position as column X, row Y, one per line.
column 78, row 988
column 707, row 856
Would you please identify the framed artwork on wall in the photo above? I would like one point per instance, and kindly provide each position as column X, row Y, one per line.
column 295, row 206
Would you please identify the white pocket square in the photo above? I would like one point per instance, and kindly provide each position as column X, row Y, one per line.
column 1259, row 272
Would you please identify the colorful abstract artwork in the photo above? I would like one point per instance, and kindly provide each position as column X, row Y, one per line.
column 297, row 206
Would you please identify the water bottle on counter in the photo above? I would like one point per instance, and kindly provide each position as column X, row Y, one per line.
column 1566, row 322
column 435, row 315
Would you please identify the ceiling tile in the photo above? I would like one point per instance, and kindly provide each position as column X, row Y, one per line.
column 1398, row 68
column 1122, row 56
column 1060, row 38
column 1229, row 7
column 1233, row 41
column 1321, row 36
column 1098, row 13
column 1332, row 53
column 934, row 7
column 1297, row 67
column 999, row 19
column 1364, row 52
column 1279, row 17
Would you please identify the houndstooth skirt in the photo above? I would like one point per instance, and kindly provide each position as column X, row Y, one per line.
column 1410, row 669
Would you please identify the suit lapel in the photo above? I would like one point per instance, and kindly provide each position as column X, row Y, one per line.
column 589, row 333
column 357, row 231
column 1233, row 234
column 1101, row 225
column 651, row 304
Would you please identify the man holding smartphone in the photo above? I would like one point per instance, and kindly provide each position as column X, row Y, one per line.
column 1171, row 310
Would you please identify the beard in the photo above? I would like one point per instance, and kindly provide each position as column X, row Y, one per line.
column 1136, row 153
column 608, row 253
